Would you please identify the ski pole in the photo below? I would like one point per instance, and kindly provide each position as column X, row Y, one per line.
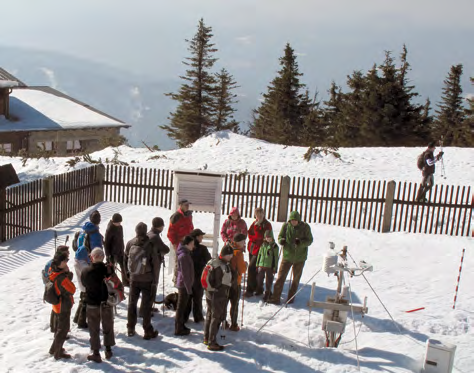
column 243, row 301
column 459, row 278
column 163, row 307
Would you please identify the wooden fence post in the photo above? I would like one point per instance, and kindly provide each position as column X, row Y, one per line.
column 99, row 184
column 3, row 214
column 387, row 212
column 284, row 199
column 47, row 218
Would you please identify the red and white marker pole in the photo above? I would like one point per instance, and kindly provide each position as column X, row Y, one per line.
column 459, row 278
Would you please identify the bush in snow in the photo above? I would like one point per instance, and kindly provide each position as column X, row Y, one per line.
column 319, row 151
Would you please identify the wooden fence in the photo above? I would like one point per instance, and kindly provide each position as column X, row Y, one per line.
column 377, row 205
column 44, row 203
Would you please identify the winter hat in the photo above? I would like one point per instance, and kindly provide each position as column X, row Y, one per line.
column 95, row 217
column 183, row 201
column 157, row 223
column 63, row 249
column 227, row 250
column 141, row 229
column 239, row 237
column 116, row 218
column 432, row 144
column 59, row 257
column 268, row 233
column 233, row 210
column 295, row 215
column 197, row 232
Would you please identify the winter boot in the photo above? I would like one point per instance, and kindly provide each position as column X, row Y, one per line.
column 108, row 352
column 215, row 347
column 259, row 292
column 234, row 328
column 266, row 296
column 95, row 356
column 62, row 355
column 151, row 334
column 131, row 332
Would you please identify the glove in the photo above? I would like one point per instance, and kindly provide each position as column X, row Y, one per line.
column 282, row 241
column 440, row 155
column 297, row 241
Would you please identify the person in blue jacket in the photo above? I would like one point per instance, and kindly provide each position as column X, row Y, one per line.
column 88, row 240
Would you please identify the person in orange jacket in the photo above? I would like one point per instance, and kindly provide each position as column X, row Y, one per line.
column 239, row 267
column 61, row 278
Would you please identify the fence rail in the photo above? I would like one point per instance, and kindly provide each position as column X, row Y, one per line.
column 377, row 205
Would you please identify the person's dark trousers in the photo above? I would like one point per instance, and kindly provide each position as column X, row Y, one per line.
column 234, row 298
column 196, row 302
column 119, row 262
column 95, row 314
column 80, row 318
column 267, row 275
column 53, row 321
column 216, row 310
column 426, row 184
column 285, row 268
column 135, row 289
column 63, row 326
column 154, row 290
column 181, row 308
column 252, row 274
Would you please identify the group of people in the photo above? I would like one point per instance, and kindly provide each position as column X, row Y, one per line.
column 139, row 262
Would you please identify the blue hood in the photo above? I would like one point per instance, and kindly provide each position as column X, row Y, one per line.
column 90, row 228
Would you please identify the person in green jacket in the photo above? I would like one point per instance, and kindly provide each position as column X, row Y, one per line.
column 267, row 264
column 295, row 237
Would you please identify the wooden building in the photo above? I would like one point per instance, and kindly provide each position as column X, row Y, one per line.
column 39, row 118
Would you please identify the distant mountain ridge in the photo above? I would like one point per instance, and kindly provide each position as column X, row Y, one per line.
column 137, row 100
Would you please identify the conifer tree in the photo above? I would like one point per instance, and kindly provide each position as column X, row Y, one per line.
column 280, row 117
column 332, row 116
column 196, row 97
column 451, row 122
column 314, row 126
column 225, row 99
column 470, row 114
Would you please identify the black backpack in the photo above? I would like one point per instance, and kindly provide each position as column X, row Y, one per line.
column 50, row 296
column 420, row 161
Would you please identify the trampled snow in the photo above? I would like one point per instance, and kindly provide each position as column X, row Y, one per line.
column 410, row 271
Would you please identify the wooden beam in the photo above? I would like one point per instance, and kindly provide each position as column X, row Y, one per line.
column 338, row 307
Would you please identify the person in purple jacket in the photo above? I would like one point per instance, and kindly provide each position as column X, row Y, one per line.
column 184, row 283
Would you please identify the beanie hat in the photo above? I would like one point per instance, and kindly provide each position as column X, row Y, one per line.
column 227, row 250
column 95, row 217
column 59, row 257
column 239, row 237
column 233, row 210
column 116, row 218
column 268, row 233
column 62, row 248
column 141, row 229
column 157, row 222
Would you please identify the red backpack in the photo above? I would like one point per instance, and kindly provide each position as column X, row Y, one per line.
column 210, row 266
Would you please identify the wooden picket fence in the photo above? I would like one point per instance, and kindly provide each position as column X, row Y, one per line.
column 44, row 203
column 376, row 205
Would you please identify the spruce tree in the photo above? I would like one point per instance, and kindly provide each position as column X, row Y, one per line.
column 314, row 125
column 225, row 99
column 470, row 114
column 196, row 97
column 332, row 116
column 451, row 122
column 281, row 116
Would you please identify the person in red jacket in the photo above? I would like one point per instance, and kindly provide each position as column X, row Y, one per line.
column 234, row 224
column 181, row 225
column 256, row 235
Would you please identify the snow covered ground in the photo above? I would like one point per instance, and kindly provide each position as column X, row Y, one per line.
column 410, row 271
column 228, row 152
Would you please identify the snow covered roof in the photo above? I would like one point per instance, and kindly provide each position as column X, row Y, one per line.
column 45, row 109
column 8, row 83
column 6, row 76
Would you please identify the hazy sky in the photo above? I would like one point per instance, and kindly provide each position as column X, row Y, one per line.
column 332, row 37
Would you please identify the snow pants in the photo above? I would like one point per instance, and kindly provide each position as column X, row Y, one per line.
column 96, row 314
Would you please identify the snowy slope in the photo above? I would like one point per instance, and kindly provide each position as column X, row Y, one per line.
column 227, row 152
column 410, row 271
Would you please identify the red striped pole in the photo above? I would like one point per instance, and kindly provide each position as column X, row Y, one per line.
column 459, row 278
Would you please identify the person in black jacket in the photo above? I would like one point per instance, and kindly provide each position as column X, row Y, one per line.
column 142, row 271
column 97, row 308
column 200, row 256
column 114, row 245
column 161, row 249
